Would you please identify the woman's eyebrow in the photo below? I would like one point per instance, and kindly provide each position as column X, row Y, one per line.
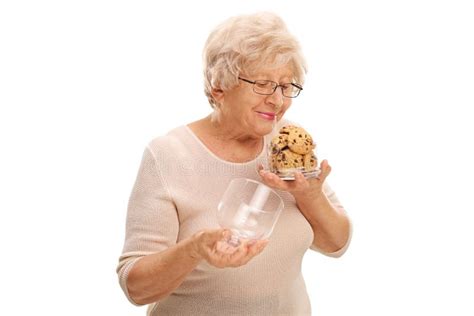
column 285, row 78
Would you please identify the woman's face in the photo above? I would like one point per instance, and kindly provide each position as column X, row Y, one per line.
column 253, row 113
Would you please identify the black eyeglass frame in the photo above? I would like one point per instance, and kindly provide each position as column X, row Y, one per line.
column 274, row 89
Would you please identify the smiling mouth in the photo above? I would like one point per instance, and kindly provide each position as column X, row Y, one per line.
column 267, row 115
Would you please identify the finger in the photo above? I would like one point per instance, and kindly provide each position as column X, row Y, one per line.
column 259, row 246
column 266, row 173
column 243, row 254
column 277, row 183
column 244, row 248
column 269, row 178
column 298, row 184
column 226, row 235
column 236, row 259
column 263, row 173
column 325, row 170
column 254, row 247
column 255, row 250
column 300, row 180
column 213, row 235
column 222, row 259
column 324, row 165
column 224, row 247
column 208, row 240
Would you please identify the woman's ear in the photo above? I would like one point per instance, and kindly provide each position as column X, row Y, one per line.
column 217, row 94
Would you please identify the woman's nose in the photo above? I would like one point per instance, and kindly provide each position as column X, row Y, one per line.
column 276, row 98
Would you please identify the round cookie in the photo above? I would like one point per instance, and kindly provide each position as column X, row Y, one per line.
column 310, row 161
column 278, row 143
column 287, row 129
column 287, row 159
column 300, row 141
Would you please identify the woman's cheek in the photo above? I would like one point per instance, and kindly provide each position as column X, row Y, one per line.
column 284, row 109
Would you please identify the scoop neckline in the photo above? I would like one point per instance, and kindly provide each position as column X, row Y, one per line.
column 203, row 146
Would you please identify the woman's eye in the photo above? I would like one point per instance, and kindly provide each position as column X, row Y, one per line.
column 263, row 84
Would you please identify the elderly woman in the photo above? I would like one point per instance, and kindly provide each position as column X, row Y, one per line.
column 173, row 258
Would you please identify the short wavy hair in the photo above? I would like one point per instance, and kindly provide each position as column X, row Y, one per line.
column 246, row 43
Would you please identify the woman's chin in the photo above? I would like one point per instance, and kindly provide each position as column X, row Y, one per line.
column 264, row 129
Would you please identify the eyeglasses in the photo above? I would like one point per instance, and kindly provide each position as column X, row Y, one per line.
column 268, row 87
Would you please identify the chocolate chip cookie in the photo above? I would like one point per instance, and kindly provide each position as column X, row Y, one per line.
column 292, row 148
column 300, row 141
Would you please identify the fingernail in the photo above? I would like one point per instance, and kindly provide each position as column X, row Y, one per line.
column 226, row 234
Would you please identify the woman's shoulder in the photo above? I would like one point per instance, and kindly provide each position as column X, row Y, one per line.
column 171, row 142
column 174, row 133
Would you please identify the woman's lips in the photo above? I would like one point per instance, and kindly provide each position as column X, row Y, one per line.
column 267, row 115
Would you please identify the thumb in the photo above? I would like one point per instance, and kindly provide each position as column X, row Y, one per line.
column 218, row 234
column 325, row 169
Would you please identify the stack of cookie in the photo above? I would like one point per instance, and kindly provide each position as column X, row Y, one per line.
column 292, row 148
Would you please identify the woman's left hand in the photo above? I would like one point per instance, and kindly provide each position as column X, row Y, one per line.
column 299, row 186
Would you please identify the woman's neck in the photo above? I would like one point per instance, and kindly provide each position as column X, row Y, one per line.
column 229, row 131
column 225, row 140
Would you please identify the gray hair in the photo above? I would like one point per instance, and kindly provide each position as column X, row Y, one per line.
column 245, row 43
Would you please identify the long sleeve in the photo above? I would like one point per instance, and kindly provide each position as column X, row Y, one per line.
column 152, row 221
column 177, row 193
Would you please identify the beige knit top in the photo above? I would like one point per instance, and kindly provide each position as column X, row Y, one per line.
column 176, row 193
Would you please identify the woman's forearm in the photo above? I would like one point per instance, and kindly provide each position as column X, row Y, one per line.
column 330, row 226
column 158, row 275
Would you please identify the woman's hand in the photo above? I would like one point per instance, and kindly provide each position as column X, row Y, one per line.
column 212, row 246
column 300, row 186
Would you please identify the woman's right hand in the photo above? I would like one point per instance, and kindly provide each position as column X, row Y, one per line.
column 212, row 246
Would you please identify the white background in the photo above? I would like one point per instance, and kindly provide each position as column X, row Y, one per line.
column 84, row 85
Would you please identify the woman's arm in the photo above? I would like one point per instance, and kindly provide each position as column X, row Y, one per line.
column 155, row 276
column 330, row 225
